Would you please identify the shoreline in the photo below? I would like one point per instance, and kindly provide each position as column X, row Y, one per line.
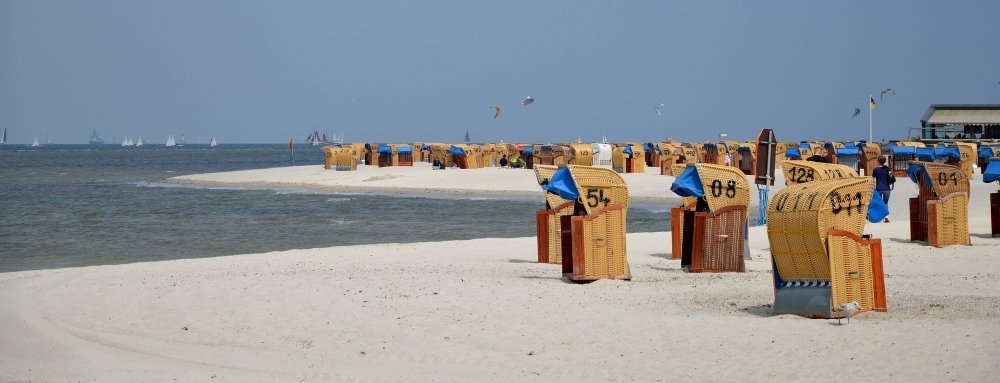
column 485, row 310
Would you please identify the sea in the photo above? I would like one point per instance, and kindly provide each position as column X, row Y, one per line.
column 87, row 205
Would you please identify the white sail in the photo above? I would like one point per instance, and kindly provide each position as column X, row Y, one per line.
column 170, row 140
column 35, row 143
column 213, row 142
column 4, row 139
column 139, row 141
column 125, row 141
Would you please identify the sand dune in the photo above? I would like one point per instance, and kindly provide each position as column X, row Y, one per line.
column 483, row 310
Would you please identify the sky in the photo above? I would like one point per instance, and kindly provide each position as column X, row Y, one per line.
column 428, row 71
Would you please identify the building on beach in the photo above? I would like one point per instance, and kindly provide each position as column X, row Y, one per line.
column 960, row 121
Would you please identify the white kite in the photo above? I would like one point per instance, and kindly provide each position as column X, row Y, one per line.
column 527, row 101
column 657, row 108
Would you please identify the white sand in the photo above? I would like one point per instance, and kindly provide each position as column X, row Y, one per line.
column 484, row 311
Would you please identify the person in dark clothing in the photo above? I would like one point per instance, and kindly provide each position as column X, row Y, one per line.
column 503, row 161
column 882, row 186
column 818, row 156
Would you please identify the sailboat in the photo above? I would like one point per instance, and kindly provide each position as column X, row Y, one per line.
column 213, row 142
column 3, row 140
column 125, row 142
column 170, row 140
column 34, row 144
column 139, row 142
column 48, row 141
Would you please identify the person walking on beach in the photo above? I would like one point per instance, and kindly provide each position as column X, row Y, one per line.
column 883, row 181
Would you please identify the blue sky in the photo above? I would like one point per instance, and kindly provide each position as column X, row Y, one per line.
column 404, row 71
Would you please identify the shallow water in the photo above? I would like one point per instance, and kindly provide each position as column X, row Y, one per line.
column 80, row 205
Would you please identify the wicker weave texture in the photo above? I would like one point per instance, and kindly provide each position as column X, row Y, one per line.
column 799, row 171
column 724, row 186
column 581, row 154
column 800, row 217
column 603, row 247
column 543, row 173
column 951, row 221
column 723, row 241
column 851, row 271
column 599, row 187
column 945, row 179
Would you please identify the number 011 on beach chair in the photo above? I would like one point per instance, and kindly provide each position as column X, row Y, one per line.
column 593, row 236
column 820, row 257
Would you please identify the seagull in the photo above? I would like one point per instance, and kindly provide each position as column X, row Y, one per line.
column 846, row 310
column 886, row 91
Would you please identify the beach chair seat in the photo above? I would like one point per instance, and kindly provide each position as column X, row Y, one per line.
column 939, row 214
column 819, row 257
column 713, row 233
column 596, row 231
column 548, row 220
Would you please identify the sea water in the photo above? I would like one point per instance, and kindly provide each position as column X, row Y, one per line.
column 84, row 205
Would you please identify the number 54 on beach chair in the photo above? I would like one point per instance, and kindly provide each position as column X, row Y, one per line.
column 592, row 236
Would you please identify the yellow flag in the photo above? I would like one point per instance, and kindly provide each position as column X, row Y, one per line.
column 872, row 100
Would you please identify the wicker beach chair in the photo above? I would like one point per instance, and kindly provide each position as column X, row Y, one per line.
column 798, row 171
column 991, row 173
column 547, row 221
column 820, row 258
column 713, row 231
column 939, row 214
column 593, row 238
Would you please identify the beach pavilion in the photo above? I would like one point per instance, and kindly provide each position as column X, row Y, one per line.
column 970, row 121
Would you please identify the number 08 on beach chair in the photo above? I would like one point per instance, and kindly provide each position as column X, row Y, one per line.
column 819, row 256
column 713, row 232
column 593, row 237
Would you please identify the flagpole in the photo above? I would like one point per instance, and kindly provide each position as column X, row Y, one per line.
column 870, row 109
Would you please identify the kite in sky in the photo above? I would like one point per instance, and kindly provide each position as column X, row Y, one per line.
column 886, row 91
column 856, row 113
column 497, row 109
column 527, row 101
column 658, row 109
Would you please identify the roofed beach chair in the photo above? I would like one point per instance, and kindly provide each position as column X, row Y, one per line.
column 992, row 174
column 547, row 221
column 939, row 214
column 593, row 237
column 797, row 171
column 713, row 232
column 819, row 255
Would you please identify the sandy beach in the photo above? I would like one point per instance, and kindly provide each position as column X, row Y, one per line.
column 483, row 310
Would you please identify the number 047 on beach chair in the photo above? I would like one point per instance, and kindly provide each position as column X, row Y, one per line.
column 593, row 236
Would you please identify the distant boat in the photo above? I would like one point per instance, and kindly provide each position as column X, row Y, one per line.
column 95, row 139
column 139, row 141
column 315, row 138
column 3, row 140
column 125, row 142
column 34, row 144
column 213, row 142
column 48, row 141
column 170, row 140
